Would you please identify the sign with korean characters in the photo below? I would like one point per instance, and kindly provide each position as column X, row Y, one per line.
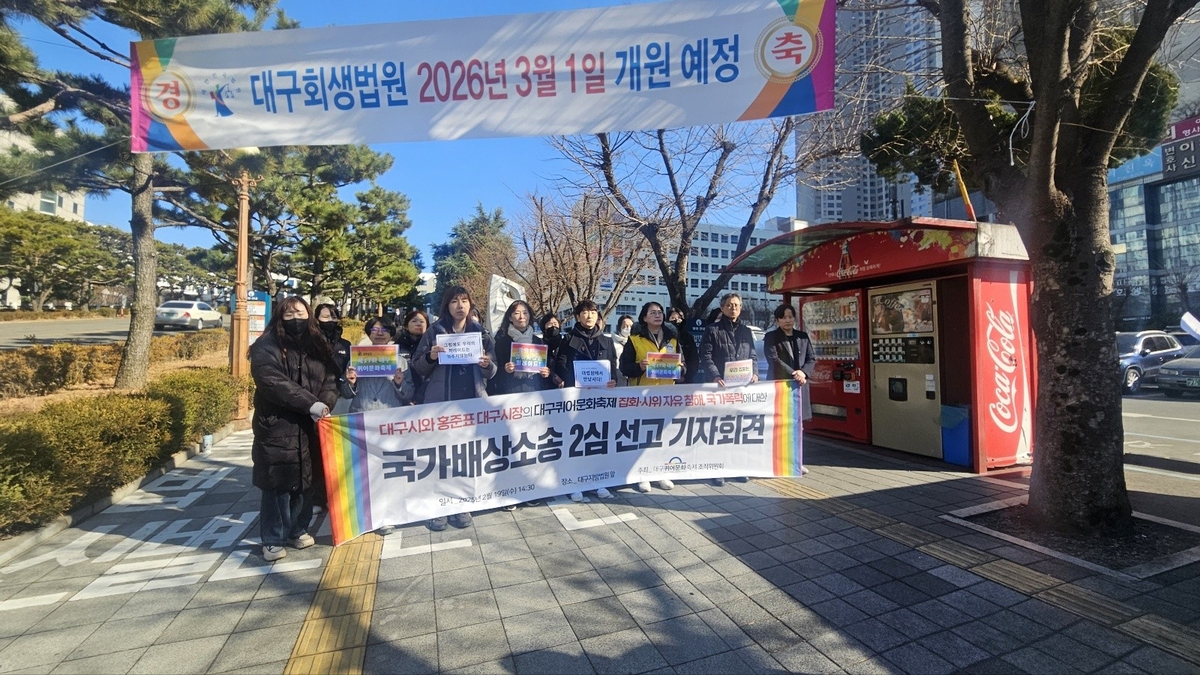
column 460, row 348
column 402, row 465
column 592, row 374
column 374, row 360
column 648, row 65
column 663, row 366
column 738, row 373
column 528, row 358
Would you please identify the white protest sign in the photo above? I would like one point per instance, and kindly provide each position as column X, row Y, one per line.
column 592, row 374
column 738, row 373
column 460, row 348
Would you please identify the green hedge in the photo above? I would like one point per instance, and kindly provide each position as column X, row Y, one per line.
column 27, row 315
column 36, row 371
column 68, row 453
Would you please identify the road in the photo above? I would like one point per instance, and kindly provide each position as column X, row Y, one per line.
column 15, row 334
column 1162, row 454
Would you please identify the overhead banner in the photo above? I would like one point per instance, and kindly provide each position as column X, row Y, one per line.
column 643, row 66
column 401, row 465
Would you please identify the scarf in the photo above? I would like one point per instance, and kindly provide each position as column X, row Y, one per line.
column 525, row 336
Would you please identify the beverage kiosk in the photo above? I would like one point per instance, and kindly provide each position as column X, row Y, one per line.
column 921, row 332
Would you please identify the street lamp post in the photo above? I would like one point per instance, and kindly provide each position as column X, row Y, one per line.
column 239, row 338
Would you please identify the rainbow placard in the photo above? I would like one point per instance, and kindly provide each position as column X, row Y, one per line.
column 647, row 65
column 528, row 358
column 374, row 360
column 663, row 366
column 408, row 464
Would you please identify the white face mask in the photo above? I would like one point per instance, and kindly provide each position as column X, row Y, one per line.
column 625, row 331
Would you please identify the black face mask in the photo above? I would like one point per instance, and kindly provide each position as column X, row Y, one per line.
column 295, row 327
column 550, row 333
column 331, row 329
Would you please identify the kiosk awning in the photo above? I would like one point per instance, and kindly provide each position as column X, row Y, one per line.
column 770, row 255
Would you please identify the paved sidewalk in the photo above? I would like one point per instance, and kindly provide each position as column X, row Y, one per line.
column 852, row 569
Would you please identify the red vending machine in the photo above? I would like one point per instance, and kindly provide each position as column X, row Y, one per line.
column 835, row 324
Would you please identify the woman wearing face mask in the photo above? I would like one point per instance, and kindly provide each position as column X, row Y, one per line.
column 687, row 344
column 295, row 380
column 585, row 342
column 652, row 335
column 331, row 328
column 620, row 336
column 377, row 331
column 453, row 382
column 413, row 328
column 552, row 336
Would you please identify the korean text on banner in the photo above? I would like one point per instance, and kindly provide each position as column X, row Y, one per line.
column 592, row 374
column 402, row 465
column 738, row 373
column 460, row 348
column 647, row 65
column 528, row 358
column 374, row 360
column 663, row 366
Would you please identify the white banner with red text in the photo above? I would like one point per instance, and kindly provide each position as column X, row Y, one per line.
column 402, row 465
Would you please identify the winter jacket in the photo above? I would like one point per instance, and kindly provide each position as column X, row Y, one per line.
column 584, row 345
column 642, row 343
column 781, row 353
column 691, row 354
column 723, row 342
column 287, row 383
column 437, row 376
column 516, row 383
column 408, row 343
column 376, row 393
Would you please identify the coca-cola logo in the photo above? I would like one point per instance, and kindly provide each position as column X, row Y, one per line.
column 1001, row 335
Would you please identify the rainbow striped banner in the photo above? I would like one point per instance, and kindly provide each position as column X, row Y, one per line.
column 401, row 465
column 647, row 65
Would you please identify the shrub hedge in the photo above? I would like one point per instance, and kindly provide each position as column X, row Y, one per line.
column 27, row 315
column 68, row 453
column 36, row 371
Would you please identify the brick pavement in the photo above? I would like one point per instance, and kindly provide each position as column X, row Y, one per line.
column 851, row 569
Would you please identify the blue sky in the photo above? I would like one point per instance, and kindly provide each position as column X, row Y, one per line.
column 443, row 180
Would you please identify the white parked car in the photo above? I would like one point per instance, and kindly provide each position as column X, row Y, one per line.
column 186, row 314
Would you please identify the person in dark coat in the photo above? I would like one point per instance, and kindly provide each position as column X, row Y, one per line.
column 453, row 382
column 328, row 320
column 789, row 353
column 408, row 337
column 586, row 341
column 295, row 380
column 725, row 340
column 552, row 335
column 687, row 344
column 517, row 327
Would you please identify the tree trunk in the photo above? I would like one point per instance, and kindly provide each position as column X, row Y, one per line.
column 135, row 357
column 41, row 298
column 318, row 277
column 1078, row 480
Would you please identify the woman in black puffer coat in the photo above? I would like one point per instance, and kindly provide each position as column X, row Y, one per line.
column 295, row 380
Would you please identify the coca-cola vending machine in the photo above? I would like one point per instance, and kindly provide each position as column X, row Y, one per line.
column 1004, row 367
column 835, row 325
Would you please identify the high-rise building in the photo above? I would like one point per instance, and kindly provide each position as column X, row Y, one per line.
column 880, row 52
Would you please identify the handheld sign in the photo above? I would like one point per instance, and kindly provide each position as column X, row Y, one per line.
column 374, row 360
column 528, row 358
column 663, row 366
column 738, row 373
column 592, row 374
column 461, row 348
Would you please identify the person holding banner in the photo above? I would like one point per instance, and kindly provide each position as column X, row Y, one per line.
column 727, row 341
column 515, row 330
column 585, row 349
column 454, row 379
column 687, row 344
column 648, row 356
column 329, row 322
column 789, row 354
column 295, row 384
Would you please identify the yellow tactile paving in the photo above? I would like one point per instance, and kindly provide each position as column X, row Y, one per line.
column 1167, row 635
column 333, row 638
column 957, row 553
column 1009, row 573
column 907, row 534
column 1091, row 604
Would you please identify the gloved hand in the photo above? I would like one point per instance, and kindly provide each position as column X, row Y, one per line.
column 318, row 410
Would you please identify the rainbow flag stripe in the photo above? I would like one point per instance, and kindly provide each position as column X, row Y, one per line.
column 786, row 441
column 344, row 447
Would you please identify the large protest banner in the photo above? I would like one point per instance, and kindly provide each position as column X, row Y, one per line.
column 642, row 66
column 400, row 465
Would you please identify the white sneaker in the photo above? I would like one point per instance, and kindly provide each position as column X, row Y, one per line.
column 666, row 485
column 576, row 496
column 804, row 471
column 385, row 530
column 644, row 486
column 303, row 541
column 603, row 493
column 273, row 553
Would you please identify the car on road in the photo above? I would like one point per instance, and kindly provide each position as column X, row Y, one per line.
column 1142, row 354
column 1182, row 375
column 186, row 314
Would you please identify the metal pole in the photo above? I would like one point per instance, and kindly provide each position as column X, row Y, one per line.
column 239, row 338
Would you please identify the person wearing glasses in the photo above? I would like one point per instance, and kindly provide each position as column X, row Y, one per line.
column 651, row 335
column 377, row 331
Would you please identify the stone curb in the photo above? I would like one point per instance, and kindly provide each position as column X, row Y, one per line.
column 15, row 546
